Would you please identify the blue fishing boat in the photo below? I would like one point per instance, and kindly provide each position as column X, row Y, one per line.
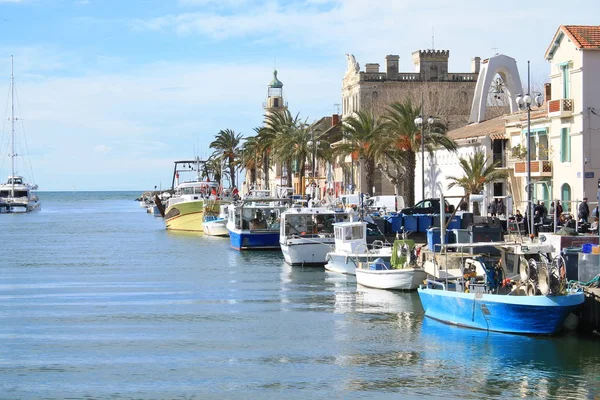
column 536, row 301
column 253, row 223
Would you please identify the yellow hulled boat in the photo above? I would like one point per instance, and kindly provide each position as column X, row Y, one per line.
column 185, row 216
column 184, row 211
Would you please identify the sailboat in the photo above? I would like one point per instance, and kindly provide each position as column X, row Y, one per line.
column 16, row 196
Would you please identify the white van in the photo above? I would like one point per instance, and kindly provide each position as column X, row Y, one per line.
column 390, row 203
column 348, row 200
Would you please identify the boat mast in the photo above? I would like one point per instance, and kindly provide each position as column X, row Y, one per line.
column 12, row 119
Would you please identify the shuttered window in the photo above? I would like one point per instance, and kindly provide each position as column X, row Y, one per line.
column 565, row 145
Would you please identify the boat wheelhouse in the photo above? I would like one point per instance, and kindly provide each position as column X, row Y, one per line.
column 307, row 234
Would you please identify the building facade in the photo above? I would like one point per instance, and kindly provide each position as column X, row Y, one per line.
column 443, row 94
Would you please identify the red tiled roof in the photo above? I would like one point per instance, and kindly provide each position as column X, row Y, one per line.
column 584, row 36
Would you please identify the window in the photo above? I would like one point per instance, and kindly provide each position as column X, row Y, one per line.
column 565, row 80
column 565, row 145
column 565, row 197
column 275, row 102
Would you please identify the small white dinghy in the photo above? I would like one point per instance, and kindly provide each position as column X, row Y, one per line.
column 401, row 273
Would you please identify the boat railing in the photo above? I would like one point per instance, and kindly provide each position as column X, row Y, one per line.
column 435, row 283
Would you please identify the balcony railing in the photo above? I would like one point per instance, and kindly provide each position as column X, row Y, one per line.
column 560, row 108
column 539, row 168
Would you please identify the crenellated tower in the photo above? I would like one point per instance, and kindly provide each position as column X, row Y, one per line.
column 432, row 65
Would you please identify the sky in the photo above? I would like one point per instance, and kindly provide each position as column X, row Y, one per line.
column 111, row 92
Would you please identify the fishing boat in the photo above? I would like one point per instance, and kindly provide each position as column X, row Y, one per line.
column 306, row 234
column 185, row 209
column 520, row 292
column 400, row 273
column 253, row 222
column 16, row 195
column 215, row 219
column 351, row 248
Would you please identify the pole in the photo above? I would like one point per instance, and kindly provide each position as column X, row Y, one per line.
column 12, row 120
column 529, row 186
column 422, row 152
column 314, row 156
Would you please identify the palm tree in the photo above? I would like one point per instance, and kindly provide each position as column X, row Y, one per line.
column 477, row 173
column 250, row 159
column 406, row 136
column 279, row 126
column 361, row 131
column 226, row 145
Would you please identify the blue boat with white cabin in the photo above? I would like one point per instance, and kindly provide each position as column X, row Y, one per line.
column 487, row 295
column 253, row 222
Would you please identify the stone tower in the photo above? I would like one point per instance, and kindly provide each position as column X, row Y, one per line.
column 275, row 102
column 432, row 65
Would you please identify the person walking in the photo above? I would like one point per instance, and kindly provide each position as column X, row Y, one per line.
column 583, row 211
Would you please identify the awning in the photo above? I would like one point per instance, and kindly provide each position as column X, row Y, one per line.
column 498, row 136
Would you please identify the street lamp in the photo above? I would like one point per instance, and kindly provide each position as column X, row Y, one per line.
column 524, row 102
column 419, row 123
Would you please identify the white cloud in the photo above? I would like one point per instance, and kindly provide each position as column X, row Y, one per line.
column 104, row 123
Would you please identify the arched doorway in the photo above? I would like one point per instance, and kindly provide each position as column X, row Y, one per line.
column 565, row 196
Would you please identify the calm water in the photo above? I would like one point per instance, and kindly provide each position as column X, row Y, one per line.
column 97, row 300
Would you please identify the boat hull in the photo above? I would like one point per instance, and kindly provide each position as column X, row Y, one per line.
column 345, row 263
column 311, row 251
column 216, row 227
column 541, row 315
column 394, row 279
column 185, row 216
column 254, row 240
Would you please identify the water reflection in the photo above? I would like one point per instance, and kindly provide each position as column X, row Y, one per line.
column 501, row 365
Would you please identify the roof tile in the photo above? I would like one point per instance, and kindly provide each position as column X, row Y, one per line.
column 584, row 36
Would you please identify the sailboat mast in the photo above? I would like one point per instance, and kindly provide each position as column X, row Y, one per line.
column 12, row 119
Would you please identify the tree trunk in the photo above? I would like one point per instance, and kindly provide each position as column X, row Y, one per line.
column 289, row 178
column 409, row 192
column 266, row 170
column 302, row 183
column 231, row 172
column 370, row 172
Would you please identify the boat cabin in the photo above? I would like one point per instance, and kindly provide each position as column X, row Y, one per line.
column 310, row 222
column 350, row 235
column 252, row 215
column 14, row 180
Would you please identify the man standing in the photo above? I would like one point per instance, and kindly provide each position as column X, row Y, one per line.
column 584, row 210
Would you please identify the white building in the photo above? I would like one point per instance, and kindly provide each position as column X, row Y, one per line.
column 574, row 111
column 564, row 132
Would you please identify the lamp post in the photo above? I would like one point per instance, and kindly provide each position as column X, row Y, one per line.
column 420, row 124
column 524, row 102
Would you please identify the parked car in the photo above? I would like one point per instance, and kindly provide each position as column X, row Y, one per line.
column 427, row 206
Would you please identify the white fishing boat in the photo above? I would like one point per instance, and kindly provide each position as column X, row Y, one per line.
column 400, row 273
column 215, row 219
column 350, row 248
column 306, row 234
column 16, row 195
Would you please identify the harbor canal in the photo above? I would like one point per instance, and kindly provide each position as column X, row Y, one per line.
column 100, row 301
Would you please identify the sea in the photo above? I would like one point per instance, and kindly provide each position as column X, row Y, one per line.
column 99, row 301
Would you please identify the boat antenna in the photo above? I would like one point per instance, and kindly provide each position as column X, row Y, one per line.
column 12, row 120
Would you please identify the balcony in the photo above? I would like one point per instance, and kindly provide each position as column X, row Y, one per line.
column 539, row 168
column 560, row 108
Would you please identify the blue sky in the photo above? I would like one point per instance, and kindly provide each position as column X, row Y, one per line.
column 111, row 92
